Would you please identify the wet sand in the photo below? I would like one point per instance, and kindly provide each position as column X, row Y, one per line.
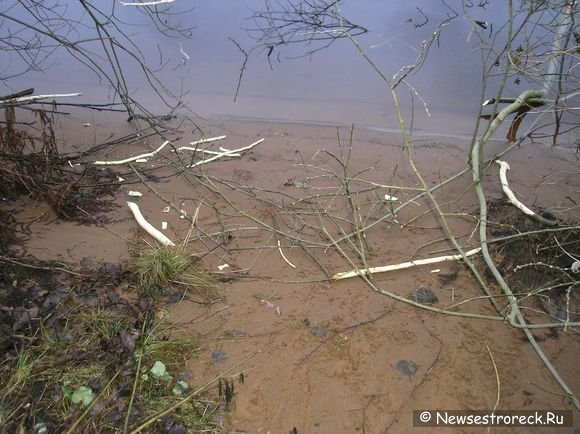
column 328, row 361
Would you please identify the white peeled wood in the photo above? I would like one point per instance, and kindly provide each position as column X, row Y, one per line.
column 33, row 98
column 503, row 168
column 130, row 159
column 148, row 227
column 233, row 152
column 401, row 266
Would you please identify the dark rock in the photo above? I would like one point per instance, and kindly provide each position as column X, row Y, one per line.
column 423, row 295
column 318, row 330
column 407, row 367
column 448, row 275
column 219, row 356
column 234, row 334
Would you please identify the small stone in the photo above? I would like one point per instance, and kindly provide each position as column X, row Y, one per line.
column 448, row 274
column 423, row 295
column 407, row 367
column 234, row 334
column 219, row 356
column 318, row 330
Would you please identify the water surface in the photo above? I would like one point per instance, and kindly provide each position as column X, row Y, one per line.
column 334, row 86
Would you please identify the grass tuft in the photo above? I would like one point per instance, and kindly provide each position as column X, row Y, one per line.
column 160, row 270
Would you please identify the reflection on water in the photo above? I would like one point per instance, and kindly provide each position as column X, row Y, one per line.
column 334, row 86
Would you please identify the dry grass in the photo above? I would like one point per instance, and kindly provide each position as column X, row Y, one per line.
column 163, row 270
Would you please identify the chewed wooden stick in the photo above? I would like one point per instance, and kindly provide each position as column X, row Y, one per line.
column 130, row 159
column 401, row 266
column 148, row 227
column 227, row 153
column 33, row 98
column 193, row 146
column 503, row 168
column 284, row 256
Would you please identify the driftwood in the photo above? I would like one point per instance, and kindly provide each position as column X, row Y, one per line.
column 401, row 266
column 194, row 147
column 130, row 159
column 503, row 168
column 148, row 227
column 21, row 100
column 227, row 153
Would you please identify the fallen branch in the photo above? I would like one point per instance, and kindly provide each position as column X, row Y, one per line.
column 22, row 93
column 199, row 142
column 284, row 256
column 147, row 226
column 208, row 140
column 227, row 153
column 28, row 99
column 401, row 266
column 38, row 267
column 515, row 316
column 130, row 159
column 209, row 151
column 503, row 168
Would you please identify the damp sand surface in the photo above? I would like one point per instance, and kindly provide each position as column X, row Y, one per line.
column 325, row 356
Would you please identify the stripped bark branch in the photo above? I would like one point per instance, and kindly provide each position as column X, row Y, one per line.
column 148, row 227
column 227, row 153
column 131, row 159
column 503, row 168
column 403, row 265
column 34, row 98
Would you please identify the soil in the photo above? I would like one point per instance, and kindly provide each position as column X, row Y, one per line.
column 324, row 356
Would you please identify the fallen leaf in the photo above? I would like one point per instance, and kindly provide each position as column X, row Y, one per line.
column 83, row 395
column 159, row 371
column 180, row 388
column 129, row 340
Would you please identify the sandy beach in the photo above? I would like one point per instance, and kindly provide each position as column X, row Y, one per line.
column 327, row 356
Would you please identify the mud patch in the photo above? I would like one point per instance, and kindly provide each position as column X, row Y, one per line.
column 80, row 354
column 537, row 262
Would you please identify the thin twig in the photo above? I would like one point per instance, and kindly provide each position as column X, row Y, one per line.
column 498, row 396
column 130, row 159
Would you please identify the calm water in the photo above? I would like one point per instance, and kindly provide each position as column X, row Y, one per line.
column 334, row 86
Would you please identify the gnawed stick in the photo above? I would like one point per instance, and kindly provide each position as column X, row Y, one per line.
column 503, row 168
column 33, row 98
column 227, row 153
column 208, row 140
column 208, row 151
column 130, row 159
column 193, row 146
column 284, row 256
column 401, row 266
column 148, row 227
